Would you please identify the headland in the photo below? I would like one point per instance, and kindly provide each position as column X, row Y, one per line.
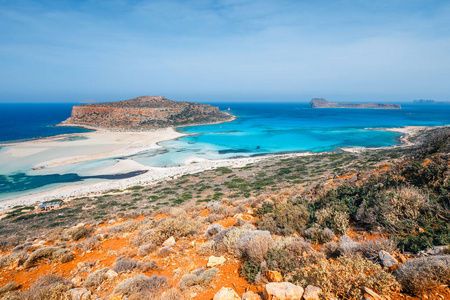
column 322, row 103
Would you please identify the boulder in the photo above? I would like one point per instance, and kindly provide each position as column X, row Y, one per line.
column 215, row 261
column 312, row 292
column 226, row 294
column 387, row 259
column 170, row 242
column 111, row 274
column 282, row 291
column 251, row 296
column 274, row 276
column 80, row 294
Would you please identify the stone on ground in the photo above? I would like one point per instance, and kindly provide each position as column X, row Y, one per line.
column 226, row 294
column 282, row 291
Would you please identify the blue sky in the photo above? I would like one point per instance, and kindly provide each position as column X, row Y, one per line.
column 224, row 50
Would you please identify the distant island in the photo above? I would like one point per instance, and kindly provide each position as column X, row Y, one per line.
column 145, row 112
column 422, row 101
column 322, row 103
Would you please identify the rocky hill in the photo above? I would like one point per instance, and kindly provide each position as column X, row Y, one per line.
column 322, row 103
column 145, row 112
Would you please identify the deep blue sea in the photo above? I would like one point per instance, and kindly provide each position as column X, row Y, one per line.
column 30, row 120
column 260, row 128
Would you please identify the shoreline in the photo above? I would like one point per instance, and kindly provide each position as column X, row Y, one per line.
column 156, row 174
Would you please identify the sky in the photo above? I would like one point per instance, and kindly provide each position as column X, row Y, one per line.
column 224, row 50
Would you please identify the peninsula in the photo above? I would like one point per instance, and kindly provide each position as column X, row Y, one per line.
column 145, row 112
column 322, row 103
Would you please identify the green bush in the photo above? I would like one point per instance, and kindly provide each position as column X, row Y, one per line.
column 285, row 219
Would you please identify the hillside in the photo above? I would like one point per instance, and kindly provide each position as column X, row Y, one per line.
column 322, row 103
column 328, row 226
column 145, row 112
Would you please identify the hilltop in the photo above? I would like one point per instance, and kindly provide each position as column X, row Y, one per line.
column 145, row 112
column 322, row 103
column 372, row 224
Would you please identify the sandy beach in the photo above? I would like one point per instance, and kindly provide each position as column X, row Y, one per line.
column 66, row 150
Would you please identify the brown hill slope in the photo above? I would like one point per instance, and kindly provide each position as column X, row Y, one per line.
column 145, row 112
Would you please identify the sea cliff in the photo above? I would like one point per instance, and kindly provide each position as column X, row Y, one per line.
column 145, row 112
column 322, row 103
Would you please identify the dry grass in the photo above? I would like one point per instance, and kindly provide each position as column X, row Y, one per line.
column 424, row 274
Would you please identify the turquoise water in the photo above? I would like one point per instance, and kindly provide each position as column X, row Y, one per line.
column 277, row 128
column 259, row 129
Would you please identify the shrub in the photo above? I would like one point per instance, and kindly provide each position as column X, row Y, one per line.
column 57, row 254
column 127, row 226
column 177, row 228
column 254, row 245
column 424, row 274
column 146, row 249
column 142, row 285
column 8, row 287
column 124, row 265
column 370, row 249
column 87, row 245
column 213, row 230
column 78, row 232
column 96, row 278
column 348, row 247
column 164, row 251
column 207, row 248
column 48, row 287
column 285, row 219
column 187, row 281
column 345, row 277
column 7, row 259
column 326, row 235
column 227, row 241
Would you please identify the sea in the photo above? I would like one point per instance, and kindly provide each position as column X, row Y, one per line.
column 259, row 129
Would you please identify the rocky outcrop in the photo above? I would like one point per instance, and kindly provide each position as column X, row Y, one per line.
column 322, row 103
column 145, row 112
column 282, row 291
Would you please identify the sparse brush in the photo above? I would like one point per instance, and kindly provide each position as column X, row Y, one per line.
column 124, row 265
column 285, row 219
column 143, row 285
column 87, row 245
column 254, row 245
column 77, row 233
column 345, row 277
column 207, row 248
column 96, row 278
column 128, row 226
column 213, row 230
column 370, row 249
column 9, row 287
column 56, row 254
column 424, row 274
column 176, row 227
column 198, row 277
column 48, row 287
column 6, row 260
column 147, row 249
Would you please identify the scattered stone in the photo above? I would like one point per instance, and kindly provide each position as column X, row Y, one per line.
column 80, row 294
column 77, row 280
column 274, row 276
column 387, row 259
column 215, row 261
column 226, row 294
column 312, row 292
column 111, row 221
column 111, row 274
column 170, row 242
column 251, row 296
column 282, row 291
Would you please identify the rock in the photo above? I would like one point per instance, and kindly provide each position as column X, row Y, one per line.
column 282, row 291
column 226, row 294
column 111, row 274
column 274, row 276
column 312, row 292
column 215, row 261
column 111, row 221
column 387, row 259
column 170, row 242
column 251, row 296
column 77, row 280
column 80, row 294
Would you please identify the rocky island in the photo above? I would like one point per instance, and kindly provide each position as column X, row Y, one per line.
column 322, row 103
column 422, row 101
column 145, row 112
